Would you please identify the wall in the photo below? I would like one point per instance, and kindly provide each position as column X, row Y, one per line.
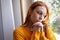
column 25, row 6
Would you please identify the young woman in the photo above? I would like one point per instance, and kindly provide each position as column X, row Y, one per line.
column 36, row 24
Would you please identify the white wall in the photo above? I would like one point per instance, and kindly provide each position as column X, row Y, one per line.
column 25, row 6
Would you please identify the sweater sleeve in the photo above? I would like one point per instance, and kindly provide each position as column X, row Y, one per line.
column 50, row 34
column 35, row 35
column 17, row 35
column 38, row 36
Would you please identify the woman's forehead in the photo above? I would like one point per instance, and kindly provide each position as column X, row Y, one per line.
column 41, row 9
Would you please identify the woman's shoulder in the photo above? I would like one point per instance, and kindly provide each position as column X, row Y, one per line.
column 19, row 29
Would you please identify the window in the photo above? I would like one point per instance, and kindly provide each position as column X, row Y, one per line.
column 54, row 8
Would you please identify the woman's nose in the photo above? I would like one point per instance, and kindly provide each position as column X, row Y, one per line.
column 41, row 17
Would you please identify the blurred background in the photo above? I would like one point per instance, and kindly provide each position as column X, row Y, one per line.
column 13, row 13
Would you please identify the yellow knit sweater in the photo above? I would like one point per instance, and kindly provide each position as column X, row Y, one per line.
column 21, row 33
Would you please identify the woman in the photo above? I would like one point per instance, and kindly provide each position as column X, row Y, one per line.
column 36, row 24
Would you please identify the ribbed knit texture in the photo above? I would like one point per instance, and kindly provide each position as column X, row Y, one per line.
column 21, row 33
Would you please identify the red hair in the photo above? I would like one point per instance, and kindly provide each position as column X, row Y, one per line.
column 32, row 7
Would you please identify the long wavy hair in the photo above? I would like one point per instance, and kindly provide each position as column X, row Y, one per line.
column 32, row 7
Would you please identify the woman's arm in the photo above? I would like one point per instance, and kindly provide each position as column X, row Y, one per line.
column 17, row 35
column 49, row 33
column 38, row 33
column 35, row 35
column 38, row 36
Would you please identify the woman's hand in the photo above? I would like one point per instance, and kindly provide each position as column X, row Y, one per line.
column 38, row 26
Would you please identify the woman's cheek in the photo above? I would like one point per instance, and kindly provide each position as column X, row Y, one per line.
column 32, row 18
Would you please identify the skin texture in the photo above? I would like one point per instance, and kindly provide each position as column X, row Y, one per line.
column 37, row 17
column 38, row 14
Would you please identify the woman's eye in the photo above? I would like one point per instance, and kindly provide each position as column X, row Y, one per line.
column 44, row 16
column 37, row 12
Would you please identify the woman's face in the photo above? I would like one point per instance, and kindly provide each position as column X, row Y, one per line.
column 38, row 14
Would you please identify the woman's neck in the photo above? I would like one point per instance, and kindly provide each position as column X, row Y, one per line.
column 29, row 26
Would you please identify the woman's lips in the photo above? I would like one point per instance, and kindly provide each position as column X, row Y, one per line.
column 39, row 20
